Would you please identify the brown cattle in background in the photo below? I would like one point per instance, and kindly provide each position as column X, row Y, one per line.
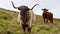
column 47, row 15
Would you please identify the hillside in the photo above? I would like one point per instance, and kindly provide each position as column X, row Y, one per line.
column 8, row 22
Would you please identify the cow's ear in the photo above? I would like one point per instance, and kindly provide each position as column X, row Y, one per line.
column 18, row 8
column 47, row 9
column 42, row 9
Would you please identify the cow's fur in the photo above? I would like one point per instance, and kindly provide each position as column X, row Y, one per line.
column 47, row 15
column 26, row 20
column 25, row 17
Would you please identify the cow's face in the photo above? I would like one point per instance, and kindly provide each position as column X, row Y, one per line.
column 45, row 10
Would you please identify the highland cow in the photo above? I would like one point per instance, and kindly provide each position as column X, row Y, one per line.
column 47, row 15
column 25, row 17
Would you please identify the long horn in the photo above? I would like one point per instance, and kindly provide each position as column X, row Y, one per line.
column 34, row 6
column 13, row 5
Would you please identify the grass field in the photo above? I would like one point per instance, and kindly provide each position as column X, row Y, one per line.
column 8, row 23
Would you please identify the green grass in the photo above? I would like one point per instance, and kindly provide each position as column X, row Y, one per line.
column 8, row 22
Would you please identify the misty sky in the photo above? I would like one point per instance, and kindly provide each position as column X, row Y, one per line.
column 52, row 5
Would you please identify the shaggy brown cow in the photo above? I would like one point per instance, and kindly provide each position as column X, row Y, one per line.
column 47, row 15
column 25, row 17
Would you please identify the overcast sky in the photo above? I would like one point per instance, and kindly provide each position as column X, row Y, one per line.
column 52, row 5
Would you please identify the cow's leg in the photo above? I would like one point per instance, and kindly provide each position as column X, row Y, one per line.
column 51, row 20
column 29, row 28
column 46, row 20
column 24, row 27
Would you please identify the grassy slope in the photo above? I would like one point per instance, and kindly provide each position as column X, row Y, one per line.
column 8, row 22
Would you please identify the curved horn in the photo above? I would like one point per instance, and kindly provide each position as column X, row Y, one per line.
column 34, row 6
column 13, row 5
